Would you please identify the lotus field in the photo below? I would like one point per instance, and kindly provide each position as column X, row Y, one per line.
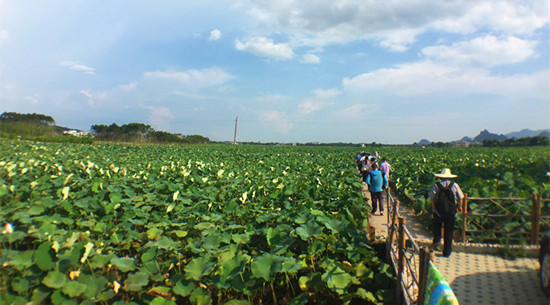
column 114, row 224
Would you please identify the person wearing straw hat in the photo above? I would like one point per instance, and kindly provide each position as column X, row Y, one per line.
column 446, row 197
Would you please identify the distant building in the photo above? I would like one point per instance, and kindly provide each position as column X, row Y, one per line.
column 76, row 133
column 462, row 144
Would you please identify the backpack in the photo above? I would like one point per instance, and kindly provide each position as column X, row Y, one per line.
column 445, row 199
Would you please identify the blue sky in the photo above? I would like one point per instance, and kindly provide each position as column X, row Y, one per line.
column 392, row 71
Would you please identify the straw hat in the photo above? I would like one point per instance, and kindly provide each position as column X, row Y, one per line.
column 445, row 173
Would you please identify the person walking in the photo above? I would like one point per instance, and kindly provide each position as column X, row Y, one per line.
column 385, row 168
column 446, row 198
column 377, row 184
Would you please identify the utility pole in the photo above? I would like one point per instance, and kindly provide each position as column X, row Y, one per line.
column 235, row 137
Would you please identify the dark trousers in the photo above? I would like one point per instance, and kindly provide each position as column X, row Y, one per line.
column 376, row 198
column 448, row 222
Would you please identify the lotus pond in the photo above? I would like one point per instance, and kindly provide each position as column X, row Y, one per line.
column 115, row 224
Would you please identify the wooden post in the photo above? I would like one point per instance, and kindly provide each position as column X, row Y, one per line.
column 388, row 205
column 394, row 216
column 401, row 259
column 425, row 257
column 535, row 218
column 464, row 216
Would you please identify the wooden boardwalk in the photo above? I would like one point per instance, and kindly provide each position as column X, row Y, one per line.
column 475, row 274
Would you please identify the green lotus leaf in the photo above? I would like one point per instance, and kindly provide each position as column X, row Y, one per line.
column 154, row 233
column 20, row 285
column 162, row 301
column 198, row 267
column 44, row 256
column 291, row 266
column 21, row 260
column 136, row 281
column 201, row 297
column 204, row 226
column 366, row 295
column 337, row 279
column 233, row 266
column 148, row 255
column 40, row 293
column 54, row 279
column 101, row 260
column 124, row 264
column 74, row 289
column 105, row 295
column 36, row 210
column 184, row 288
column 165, row 243
column 211, row 242
column 180, row 233
column 100, row 227
column 311, row 229
column 58, row 298
column 335, row 225
column 240, row 238
column 237, row 302
column 266, row 266
column 93, row 284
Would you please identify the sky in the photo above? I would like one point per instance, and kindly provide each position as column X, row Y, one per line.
column 361, row 71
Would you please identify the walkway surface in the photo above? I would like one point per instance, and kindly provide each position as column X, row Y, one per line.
column 475, row 278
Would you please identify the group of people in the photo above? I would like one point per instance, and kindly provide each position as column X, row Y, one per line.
column 375, row 176
column 445, row 196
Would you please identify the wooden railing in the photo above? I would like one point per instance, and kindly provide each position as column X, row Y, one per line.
column 409, row 261
column 509, row 220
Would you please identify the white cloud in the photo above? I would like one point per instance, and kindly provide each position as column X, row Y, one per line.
column 311, row 59
column 76, row 66
column 160, row 117
column 128, row 87
column 88, row 95
column 278, row 119
column 326, row 93
column 427, row 78
column 354, row 113
column 192, row 78
column 483, row 51
column 265, row 47
column 394, row 24
column 215, row 35
column 507, row 17
column 321, row 100
column 93, row 97
column 309, row 107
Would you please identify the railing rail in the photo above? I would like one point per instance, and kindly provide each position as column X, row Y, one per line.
column 404, row 253
column 483, row 219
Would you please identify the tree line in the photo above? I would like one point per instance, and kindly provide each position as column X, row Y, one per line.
column 41, row 127
column 27, row 118
column 139, row 132
column 527, row 141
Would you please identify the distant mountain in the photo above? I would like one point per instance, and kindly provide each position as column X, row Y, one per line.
column 525, row 133
column 486, row 135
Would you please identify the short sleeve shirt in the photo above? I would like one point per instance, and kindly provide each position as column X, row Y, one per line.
column 445, row 182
